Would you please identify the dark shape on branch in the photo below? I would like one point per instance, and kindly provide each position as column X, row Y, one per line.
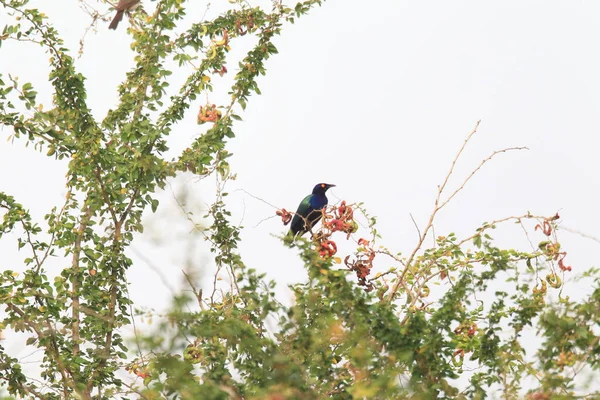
column 309, row 210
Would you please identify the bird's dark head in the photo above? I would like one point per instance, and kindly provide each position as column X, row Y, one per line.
column 321, row 188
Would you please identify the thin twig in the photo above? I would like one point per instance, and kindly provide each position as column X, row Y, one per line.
column 197, row 293
column 257, row 198
column 582, row 234
column 415, row 224
column 154, row 268
column 481, row 164
column 53, row 237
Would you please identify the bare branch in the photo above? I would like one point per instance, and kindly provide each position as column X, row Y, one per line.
column 416, row 226
column 197, row 293
column 582, row 234
column 476, row 170
column 439, row 203
column 75, row 281
column 105, row 197
column 154, row 268
column 257, row 198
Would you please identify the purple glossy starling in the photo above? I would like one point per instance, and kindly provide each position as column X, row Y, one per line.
column 309, row 210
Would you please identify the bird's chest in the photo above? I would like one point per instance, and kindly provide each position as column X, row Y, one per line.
column 318, row 202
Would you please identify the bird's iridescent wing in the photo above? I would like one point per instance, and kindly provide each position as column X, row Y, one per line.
column 302, row 212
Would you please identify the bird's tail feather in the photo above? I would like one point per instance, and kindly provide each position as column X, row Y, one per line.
column 115, row 22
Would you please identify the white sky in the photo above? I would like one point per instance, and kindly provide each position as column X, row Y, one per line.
column 376, row 97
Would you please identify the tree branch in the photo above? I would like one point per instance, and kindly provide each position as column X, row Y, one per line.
column 439, row 203
column 75, row 281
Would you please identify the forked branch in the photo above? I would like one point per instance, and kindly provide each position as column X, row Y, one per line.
column 440, row 203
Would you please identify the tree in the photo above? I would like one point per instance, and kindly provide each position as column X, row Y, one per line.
column 349, row 334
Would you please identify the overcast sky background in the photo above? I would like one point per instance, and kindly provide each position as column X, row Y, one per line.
column 375, row 97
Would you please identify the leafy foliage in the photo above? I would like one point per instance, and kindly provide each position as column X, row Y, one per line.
column 351, row 332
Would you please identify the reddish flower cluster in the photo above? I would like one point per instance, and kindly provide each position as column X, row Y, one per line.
column 210, row 113
column 545, row 227
column 327, row 248
column 363, row 263
column 553, row 249
column 239, row 25
column 561, row 256
column 466, row 329
column 285, row 215
column 335, row 219
column 222, row 71
column 461, row 356
column 341, row 220
column 538, row 396
column 137, row 370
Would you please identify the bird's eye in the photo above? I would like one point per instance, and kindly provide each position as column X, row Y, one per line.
column 322, row 185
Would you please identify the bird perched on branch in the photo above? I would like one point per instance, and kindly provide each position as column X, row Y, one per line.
column 309, row 210
column 122, row 7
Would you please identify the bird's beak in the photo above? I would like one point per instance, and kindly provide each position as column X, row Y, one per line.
column 330, row 185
